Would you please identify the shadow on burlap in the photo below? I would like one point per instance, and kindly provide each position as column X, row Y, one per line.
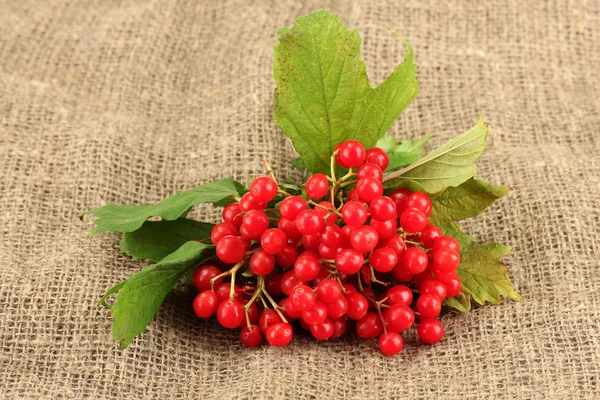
column 133, row 102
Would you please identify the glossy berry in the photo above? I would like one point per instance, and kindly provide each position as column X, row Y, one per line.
column 429, row 235
column 287, row 257
column 250, row 337
column 382, row 208
column 414, row 260
column 399, row 294
column 203, row 275
column 273, row 240
column 247, row 203
column 280, row 334
column 430, row 331
column 413, row 220
column 289, row 312
column 453, row 285
column 385, row 229
column 311, row 242
column 331, row 236
column 329, row 291
column 256, row 222
column 383, row 259
column 233, row 213
column 421, row 202
column 337, row 308
column 322, row 331
column 358, row 305
column 205, row 304
column 399, row 318
column 302, row 298
column 309, row 222
column 434, row 288
column 230, row 314
column 289, row 228
column 399, row 197
column 262, row 263
column 326, row 209
column 316, row 314
column 219, row 231
column 369, row 169
column 307, row 266
column 339, row 327
column 364, row 238
column 400, row 273
column 369, row 326
column 273, row 285
column 354, row 213
column 253, row 311
column 429, row 306
column 291, row 206
column 352, row 195
column 349, row 261
column 268, row 318
column 317, row 186
column 351, row 154
column 390, row 343
column 349, row 288
column 378, row 157
column 446, row 259
column 368, row 189
column 263, row 189
column 222, row 291
column 231, row 249
column 395, row 243
column 328, row 253
column 288, row 282
column 446, row 241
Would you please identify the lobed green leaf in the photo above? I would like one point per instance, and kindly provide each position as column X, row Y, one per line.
column 403, row 152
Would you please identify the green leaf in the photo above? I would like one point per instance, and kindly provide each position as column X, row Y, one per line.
column 157, row 239
column 449, row 165
column 402, row 153
column 461, row 302
column 323, row 93
column 140, row 297
column 298, row 162
column 127, row 218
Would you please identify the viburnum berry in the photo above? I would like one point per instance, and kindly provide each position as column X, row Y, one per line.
column 446, row 241
column 248, row 202
column 399, row 317
column 263, row 189
column 203, row 275
column 316, row 186
column 267, row 318
column 256, row 222
column 231, row 249
column 400, row 273
column 311, row 242
column 331, row 235
column 323, row 331
column 326, row 210
column 291, row 206
column 302, row 298
column 262, row 263
column 429, row 235
column 414, row 260
column 307, row 266
column 378, row 157
column 395, row 243
column 280, row 334
column 349, row 261
column 253, row 311
column 364, row 238
column 309, row 222
column 399, row 294
column 421, row 277
column 205, row 304
column 349, row 288
column 250, row 337
column 233, row 213
column 399, row 197
column 352, row 195
column 339, row 327
column 329, row 291
column 433, row 287
column 287, row 257
column 421, row 202
column 413, row 220
column 390, row 343
column 222, row 291
column 337, row 308
column 368, row 189
column 350, row 154
column 273, row 240
column 383, row 259
column 369, row 169
column 289, row 311
column 430, row 330
column 316, row 314
column 358, row 305
column 230, row 314
column 446, row 259
column 382, row 208
column 385, row 229
column 369, row 326
column 429, row 306
column 354, row 213
column 273, row 285
column 328, row 253
column 453, row 285
column 289, row 228
column 289, row 281
column 219, row 231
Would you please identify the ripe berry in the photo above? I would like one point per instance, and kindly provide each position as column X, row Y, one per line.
column 399, row 318
column 289, row 312
column 349, row 288
column 382, row 208
column 222, row 292
column 268, row 318
column 390, row 344
column 263, row 189
column 329, row 291
column 273, row 241
column 446, row 259
column 203, row 275
column 316, row 314
column 421, row 202
column 446, row 241
column 230, row 314
column 288, row 282
column 429, row 235
column 331, row 236
column 369, row 326
column 395, row 243
column 352, row 195
column 364, row 238
column 250, row 337
column 339, row 327
column 307, row 266
column 247, row 203
column 354, row 213
column 351, row 154
column 302, row 298
column 358, row 305
column 349, row 261
column 453, row 285
column 231, row 249
column 205, row 304
column 399, row 294
column 232, row 213
column 385, row 229
column 369, row 169
column 280, row 334
column 219, row 231
column 288, row 227
column 429, row 306
column 287, row 257
column 253, row 311
column 256, row 222
column 273, row 285
column 421, row 277
column 326, row 209
column 311, row 242
column 337, row 308
column 378, row 157
column 262, row 263
column 328, row 253
column 291, row 206
column 430, row 331
column 399, row 197
column 414, row 260
column 413, row 220
column 400, row 273
column 322, row 331
column 309, row 222
column 433, row 287
column 316, row 186
column 368, row 189
column 383, row 259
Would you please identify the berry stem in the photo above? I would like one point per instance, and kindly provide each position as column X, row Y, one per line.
column 374, row 279
column 269, row 169
column 274, row 304
column 331, row 210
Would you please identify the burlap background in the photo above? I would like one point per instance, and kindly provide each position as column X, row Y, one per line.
column 132, row 101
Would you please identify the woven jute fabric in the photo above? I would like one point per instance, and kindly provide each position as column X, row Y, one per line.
column 132, row 101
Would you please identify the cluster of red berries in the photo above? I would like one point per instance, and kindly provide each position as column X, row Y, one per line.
column 359, row 257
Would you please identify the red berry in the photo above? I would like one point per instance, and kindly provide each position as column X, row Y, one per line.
column 351, row 154
column 378, row 157
column 453, row 285
column 309, row 222
column 429, row 235
column 354, row 213
column 317, row 186
column 302, row 298
column 307, row 266
column 291, row 206
column 287, row 257
column 368, row 189
column 400, row 273
column 233, row 213
column 390, row 343
column 413, row 220
column 369, row 326
column 328, row 253
column 414, row 260
column 268, row 318
column 430, row 331
column 429, row 306
column 273, row 285
column 247, row 203
column 364, row 238
column 331, row 236
column 263, row 189
column 230, row 314
column 329, row 291
column 219, row 231
column 289, row 281
column 231, row 249
column 369, row 169
column 349, row 288
column 349, row 261
column 311, row 242
column 273, row 240
column 446, row 241
column 358, row 305
column 280, row 334
column 446, row 259
column 205, row 304
column 395, row 243
column 256, row 222
column 337, row 308
column 322, row 331
column 316, row 314
column 399, row 294
column 399, row 197
column 382, row 208
column 383, row 259
column 421, row 202
column 421, row 277
column 222, row 292
column 250, row 337
column 289, row 312
column 326, row 209
column 262, row 263
column 288, row 227
column 433, row 287
column 339, row 327
column 399, row 318
column 385, row 229
column 253, row 311
column 203, row 275
column 248, row 236
column 352, row 195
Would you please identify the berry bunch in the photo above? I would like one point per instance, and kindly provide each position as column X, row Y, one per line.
column 359, row 257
